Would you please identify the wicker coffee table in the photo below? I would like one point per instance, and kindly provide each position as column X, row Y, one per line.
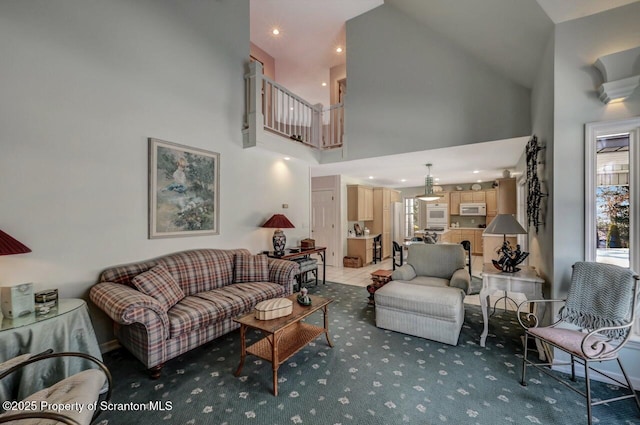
column 284, row 336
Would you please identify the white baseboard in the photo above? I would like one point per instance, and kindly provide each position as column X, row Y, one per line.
column 635, row 381
column 105, row 347
column 631, row 350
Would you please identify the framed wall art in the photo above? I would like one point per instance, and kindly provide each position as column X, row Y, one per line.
column 184, row 190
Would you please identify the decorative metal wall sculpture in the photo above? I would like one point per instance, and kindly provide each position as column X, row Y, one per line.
column 535, row 195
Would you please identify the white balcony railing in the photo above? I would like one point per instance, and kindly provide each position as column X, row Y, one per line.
column 271, row 107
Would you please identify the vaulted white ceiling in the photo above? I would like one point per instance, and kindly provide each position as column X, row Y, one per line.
column 508, row 35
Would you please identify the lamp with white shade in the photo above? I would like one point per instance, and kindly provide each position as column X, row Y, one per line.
column 506, row 224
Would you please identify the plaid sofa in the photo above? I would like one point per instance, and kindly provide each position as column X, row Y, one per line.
column 212, row 298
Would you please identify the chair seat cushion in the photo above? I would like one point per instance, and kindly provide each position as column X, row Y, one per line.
column 571, row 341
column 82, row 388
column 442, row 302
column 429, row 281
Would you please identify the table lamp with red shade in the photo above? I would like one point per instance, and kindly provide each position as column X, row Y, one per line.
column 279, row 222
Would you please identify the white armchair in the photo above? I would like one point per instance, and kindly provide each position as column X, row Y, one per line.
column 439, row 265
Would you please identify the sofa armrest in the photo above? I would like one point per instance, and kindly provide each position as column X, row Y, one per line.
column 461, row 279
column 126, row 305
column 404, row 272
column 283, row 272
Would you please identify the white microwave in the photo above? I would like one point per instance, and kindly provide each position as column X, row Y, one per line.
column 473, row 208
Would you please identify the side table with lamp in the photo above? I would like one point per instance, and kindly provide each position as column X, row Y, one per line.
column 64, row 327
column 503, row 274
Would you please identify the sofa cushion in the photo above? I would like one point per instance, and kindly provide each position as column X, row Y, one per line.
column 125, row 273
column 251, row 268
column 242, row 297
column 193, row 313
column 158, row 283
column 201, row 269
column 199, row 310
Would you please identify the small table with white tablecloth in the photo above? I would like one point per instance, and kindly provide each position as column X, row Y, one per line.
column 65, row 328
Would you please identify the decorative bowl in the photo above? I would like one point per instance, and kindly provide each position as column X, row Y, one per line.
column 302, row 302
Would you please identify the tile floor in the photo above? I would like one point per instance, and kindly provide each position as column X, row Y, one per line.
column 362, row 277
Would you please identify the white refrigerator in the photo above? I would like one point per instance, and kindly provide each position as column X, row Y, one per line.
column 397, row 222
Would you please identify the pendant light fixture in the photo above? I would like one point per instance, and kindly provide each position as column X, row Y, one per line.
column 429, row 195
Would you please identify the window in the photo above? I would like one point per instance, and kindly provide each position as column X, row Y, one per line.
column 612, row 194
column 410, row 216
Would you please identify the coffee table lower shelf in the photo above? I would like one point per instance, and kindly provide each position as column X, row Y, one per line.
column 284, row 336
column 289, row 342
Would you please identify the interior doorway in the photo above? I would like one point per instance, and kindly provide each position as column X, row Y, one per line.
column 323, row 222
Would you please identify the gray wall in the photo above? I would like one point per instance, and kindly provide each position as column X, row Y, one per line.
column 410, row 89
column 83, row 84
column 578, row 44
column 542, row 95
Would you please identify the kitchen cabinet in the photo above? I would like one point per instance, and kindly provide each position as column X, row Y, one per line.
column 452, row 236
column 359, row 203
column 491, row 198
column 506, row 196
column 474, row 236
column 478, row 196
column 454, row 203
column 468, row 235
column 381, row 223
column 466, row 196
column 472, row 196
column 477, row 247
column 361, row 246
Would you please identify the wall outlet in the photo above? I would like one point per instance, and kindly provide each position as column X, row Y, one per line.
column 285, row 205
column 473, row 221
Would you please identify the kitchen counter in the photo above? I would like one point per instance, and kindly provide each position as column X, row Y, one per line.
column 466, row 228
column 362, row 237
column 361, row 246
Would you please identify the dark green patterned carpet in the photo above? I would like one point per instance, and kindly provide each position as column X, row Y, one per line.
column 371, row 376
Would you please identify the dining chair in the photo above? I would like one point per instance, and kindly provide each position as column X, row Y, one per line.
column 377, row 249
column 398, row 255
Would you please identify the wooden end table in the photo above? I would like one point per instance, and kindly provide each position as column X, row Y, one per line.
column 379, row 278
column 284, row 336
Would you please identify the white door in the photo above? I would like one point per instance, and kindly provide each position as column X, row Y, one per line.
column 323, row 221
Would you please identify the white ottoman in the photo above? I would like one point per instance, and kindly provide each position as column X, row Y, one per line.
column 430, row 312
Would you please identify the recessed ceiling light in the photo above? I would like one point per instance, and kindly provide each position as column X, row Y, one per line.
column 475, row 171
column 275, row 31
column 479, row 181
column 324, row 84
column 403, row 180
column 291, row 108
column 286, row 158
column 437, row 179
column 339, row 50
column 370, row 177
